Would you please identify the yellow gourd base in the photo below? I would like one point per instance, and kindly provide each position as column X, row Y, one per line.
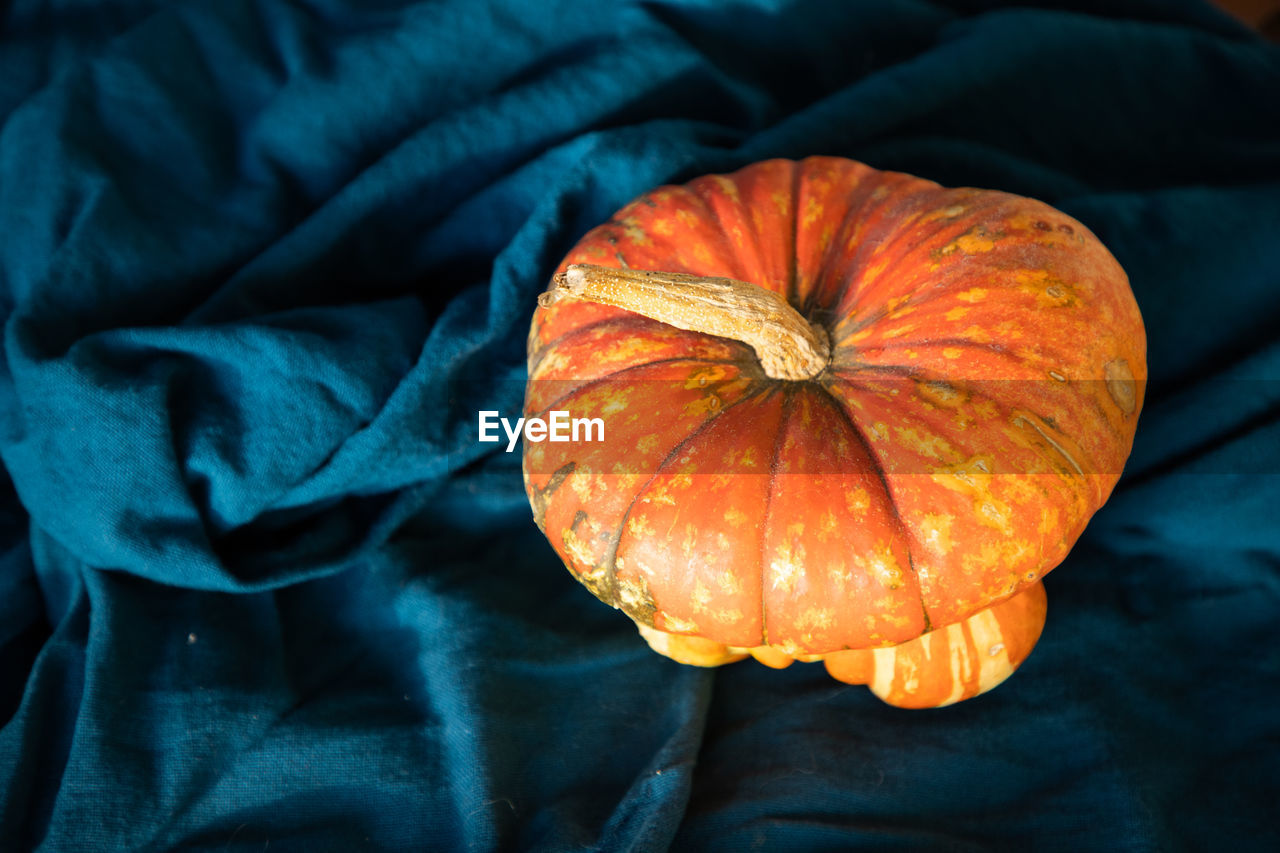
column 939, row 668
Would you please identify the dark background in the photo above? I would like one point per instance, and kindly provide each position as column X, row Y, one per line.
column 261, row 588
column 1262, row 15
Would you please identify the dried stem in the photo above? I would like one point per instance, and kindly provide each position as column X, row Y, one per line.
column 788, row 346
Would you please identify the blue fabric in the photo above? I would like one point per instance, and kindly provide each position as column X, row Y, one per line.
column 261, row 265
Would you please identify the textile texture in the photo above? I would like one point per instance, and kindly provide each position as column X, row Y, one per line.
column 261, row 588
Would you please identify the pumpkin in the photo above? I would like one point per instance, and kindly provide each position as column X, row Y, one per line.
column 848, row 415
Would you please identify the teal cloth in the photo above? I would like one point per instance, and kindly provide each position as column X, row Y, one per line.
column 262, row 264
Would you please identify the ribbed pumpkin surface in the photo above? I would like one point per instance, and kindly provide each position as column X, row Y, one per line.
column 987, row 370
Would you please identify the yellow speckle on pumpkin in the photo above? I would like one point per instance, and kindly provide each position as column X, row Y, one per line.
column 997, row 512
column 635, row 233
column 735, row 516
column 577, row 549
column 786, row 566
column 955, row 314
column 812, row 211
column 676, row 625
column 899, row 331
column 587, row 487
column 616, row 401
column 973, row 294
column 687, row 217
column 824, row 239
column 975, row 244
column 551, row 364
column 633, row 593
column 873, row 272
column 840, row 574
column 1012, row 330
column 974, row 479
column 702, row 376
column 861, row 335
column 536, row 456
column 729, row 617
column 659, row 495
column 624, row 351
column 639, row 526
column 727, row 186
column 1048, row 520
column 690, row 537
column 729, row 583
column 935, row 531
column 815, row 617
column 932, row 446
column 790, row 647
column 882, row 567
column 984, row 409
column 702, row 406
column 951, row 352
column 827, row 525
column 887, row 616
column 857, row 501
column 700, row 597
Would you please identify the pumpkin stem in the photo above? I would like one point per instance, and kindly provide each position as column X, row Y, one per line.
column 788, row 346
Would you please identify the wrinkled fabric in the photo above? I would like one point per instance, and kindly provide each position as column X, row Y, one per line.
column 262, row 264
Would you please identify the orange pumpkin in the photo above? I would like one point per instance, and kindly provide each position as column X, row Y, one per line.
column 848, row 415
